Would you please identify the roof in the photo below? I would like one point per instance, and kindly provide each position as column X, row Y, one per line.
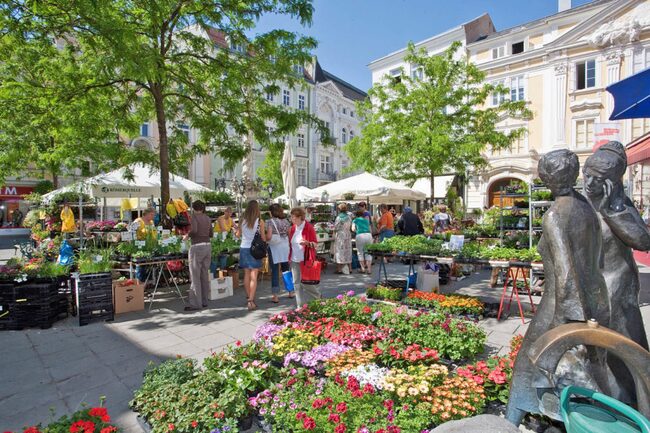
column 348, row 90
column 438, row 36
column 638, row 150
column 542, row 20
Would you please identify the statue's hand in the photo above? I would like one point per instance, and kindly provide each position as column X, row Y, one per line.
column 613, row 197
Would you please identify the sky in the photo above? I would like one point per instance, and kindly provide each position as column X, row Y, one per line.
column 352, row 33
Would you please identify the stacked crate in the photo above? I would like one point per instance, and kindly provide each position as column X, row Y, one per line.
column 33, row 303
column 94, row 295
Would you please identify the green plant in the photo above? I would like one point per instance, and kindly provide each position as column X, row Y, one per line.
column 385, row 293
column 94, row 261
column 214, row 197
column 348, row 196
column 43, row 186
column 86, row 420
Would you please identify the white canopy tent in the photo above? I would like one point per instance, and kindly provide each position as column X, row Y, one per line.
column 441, row 185
column 366, row 186
column 114, row 186
column 302, row 194
column 288, row 166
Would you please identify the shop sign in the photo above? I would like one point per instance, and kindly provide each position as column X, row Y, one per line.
column 15, row 192
column 605, row 132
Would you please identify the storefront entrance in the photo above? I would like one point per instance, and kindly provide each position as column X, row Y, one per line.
column 494, row 192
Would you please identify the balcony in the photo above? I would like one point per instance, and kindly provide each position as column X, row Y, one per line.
column 329, row 176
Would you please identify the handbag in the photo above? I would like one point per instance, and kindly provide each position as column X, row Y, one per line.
column 287, row 277
column 182, row 220
column 259, row 248
column 276, row 239
column 310, row 268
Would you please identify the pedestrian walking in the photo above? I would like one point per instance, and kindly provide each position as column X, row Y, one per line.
column 343, row 241
column 363, row 238
column 250, row 224
column 302, row 236
column 277, row 232
column 200, row 256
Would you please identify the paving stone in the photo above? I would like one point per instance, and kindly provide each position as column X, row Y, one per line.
column 124, row 354
column 161, row 342
column 85, row 381
column 71, row 367
column 135, row 365
column 213, row 341
column 28, row 415
column 186, row 350
column 21, row 401
column 199, row 331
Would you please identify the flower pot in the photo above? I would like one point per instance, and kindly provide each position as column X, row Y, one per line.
column 245, row 423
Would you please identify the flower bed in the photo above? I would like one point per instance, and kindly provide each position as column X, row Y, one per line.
column 450, row 304
column 336, row 365
column 93, row 420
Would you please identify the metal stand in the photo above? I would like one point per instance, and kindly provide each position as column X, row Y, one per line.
column 512, row 277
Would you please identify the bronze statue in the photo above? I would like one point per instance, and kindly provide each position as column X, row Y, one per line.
column 575, row 290
column 622, row 230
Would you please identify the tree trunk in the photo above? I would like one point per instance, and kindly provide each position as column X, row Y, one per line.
column 432, row 184
column 54, row 169
column 55, row 180
column 163, row 149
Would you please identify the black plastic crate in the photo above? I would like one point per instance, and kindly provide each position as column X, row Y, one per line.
column 97, row 313
column 397, row 284
column 94, row 282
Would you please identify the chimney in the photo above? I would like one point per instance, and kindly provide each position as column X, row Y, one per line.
column 563, row 5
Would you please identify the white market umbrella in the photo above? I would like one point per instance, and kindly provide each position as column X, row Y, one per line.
column 441, row 185
column 115, row 185
column 288, row 167
column 302, row 194
column 366, row 186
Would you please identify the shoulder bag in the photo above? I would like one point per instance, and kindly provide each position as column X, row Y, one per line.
column 259, row 248
column 310, row 268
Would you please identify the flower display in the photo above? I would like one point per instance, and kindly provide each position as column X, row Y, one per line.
column 267, row 331
column 415, row 380
column 292, row 340
column 368, row 374
column 456, row 398
column 451, row 304
column 316, row 357
column 93, row 420
column 348, row 361
column 102, row 226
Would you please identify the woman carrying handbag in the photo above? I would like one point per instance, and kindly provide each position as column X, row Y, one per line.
column 302, row 251
column 252, row 233
column 277, row 232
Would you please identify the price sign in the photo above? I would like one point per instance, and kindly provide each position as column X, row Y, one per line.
column 127, row 236
column 139, row 244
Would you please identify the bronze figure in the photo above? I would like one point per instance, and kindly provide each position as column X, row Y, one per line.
column 575, row 290
column 622, row 230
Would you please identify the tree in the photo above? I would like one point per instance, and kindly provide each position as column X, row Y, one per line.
column 160, row 57
column 270, row 172
column 430, row 123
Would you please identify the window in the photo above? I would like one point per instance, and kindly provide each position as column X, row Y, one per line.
column 185, row 130
column 298, row 69
column 344, row 136
column 586, row 75
column 396, row 74
column 351, row 134
column 498, row 98
column 301, row 102
column 144, row 130
column 498, row 52
column 518, row 47
column 237, row 47
column 286, row 98
column 517, row 88
column 518, row 146
column 351, row 113
column 301, row 171
column 325, row 164
column 417, row 73
column 270, row 97
column 301, row 141
column 345, row 110
column 584, row 133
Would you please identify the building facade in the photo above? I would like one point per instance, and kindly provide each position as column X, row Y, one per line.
column 560, row 65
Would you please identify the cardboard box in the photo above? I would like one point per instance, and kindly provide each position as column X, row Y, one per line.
column 128, row 296
column 232, row 273
column 427, row 280
column 220, row 288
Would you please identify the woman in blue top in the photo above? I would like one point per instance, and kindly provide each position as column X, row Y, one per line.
column 363, row 239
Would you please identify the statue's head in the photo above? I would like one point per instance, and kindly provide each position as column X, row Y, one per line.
column 608, row 162
column 559, row 171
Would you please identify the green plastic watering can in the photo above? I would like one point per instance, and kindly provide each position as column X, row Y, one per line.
column 582, row 417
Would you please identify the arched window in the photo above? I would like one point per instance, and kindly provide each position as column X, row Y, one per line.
column 344, row 136
column 351, row 134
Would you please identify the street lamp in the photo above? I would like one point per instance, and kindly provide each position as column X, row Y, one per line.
column 269, row 188
column 220, row 184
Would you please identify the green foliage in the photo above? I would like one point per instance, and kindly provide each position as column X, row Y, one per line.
column 125, row 63
column 384, row 293
column 227, row 245
column 94, row 261
column 421, row 127
column 214, row 197
column 418, row 244
column 270, row 172
column 542, row 195
column 43, row 186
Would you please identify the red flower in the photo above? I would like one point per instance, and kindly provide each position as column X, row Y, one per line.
column 82, row 427
column 368, row 389
column 109, row 429
column 357, row 393
column 318, row 403
column 388, row 404
column 100, row 412
column 341, row 407
column 340, row 428
column 334, row 417
column 301, row 415
column 33, row 429
column 309, row 423
column 195, row 423
column 237, row 343
column 367, row 309
column 171, row 427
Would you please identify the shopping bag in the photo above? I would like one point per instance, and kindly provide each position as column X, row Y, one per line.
column 310, row 268
column 66, row 253
column 287, row 276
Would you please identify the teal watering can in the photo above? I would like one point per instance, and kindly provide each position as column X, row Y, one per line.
column 582, row 417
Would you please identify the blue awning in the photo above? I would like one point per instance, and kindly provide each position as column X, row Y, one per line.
column 631, row 97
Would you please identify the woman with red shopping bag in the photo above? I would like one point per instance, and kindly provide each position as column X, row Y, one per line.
column 302, row 253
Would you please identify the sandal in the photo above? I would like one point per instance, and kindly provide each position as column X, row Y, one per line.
column 251, row 306
column 275, row 300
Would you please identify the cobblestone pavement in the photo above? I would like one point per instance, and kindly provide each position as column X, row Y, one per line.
column 59, row 369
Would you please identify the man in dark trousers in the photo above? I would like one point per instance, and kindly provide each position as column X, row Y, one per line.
column 410, row 224
column 200, row 257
